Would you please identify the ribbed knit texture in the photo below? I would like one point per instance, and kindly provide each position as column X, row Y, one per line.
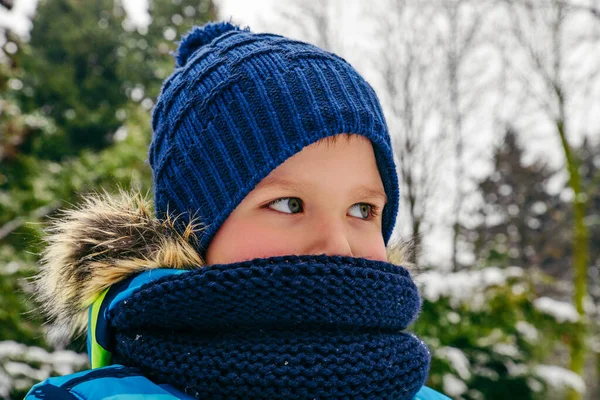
column 292, row 327
column 238, row 105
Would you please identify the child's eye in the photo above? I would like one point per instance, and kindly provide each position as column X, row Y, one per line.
column 363, row 210
column 288, row 205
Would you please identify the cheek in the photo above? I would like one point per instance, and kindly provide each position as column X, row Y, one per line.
column 247, row 240
column 380, row 253
column 370, row 247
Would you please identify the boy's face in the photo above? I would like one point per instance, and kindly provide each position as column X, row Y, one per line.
column 326, row 199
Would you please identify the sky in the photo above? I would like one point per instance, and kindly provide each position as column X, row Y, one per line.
column 243, row 12
column 247, row 12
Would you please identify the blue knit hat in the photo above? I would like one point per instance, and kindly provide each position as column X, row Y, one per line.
column 241, row 103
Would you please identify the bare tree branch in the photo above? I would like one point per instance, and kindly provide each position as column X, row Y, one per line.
column 594, row 11
column 315, row 20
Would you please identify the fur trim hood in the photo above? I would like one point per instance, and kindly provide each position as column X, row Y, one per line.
column 99, row 243
column 106, row 239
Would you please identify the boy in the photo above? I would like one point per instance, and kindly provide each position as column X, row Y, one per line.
column 264, row 274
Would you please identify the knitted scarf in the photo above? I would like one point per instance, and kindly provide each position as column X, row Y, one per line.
column 292, row 327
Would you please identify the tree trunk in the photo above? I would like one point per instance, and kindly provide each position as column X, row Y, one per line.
column 580, row 258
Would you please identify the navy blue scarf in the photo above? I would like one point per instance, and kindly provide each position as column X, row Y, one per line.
column 292, row 327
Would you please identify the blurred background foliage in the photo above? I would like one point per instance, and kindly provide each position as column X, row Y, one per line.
column 74, row 118
column 75, row 103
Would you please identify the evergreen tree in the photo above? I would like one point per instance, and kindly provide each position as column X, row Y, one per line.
column 16, row 126
column 149, row 48
column 520, row 222
column 73, row 74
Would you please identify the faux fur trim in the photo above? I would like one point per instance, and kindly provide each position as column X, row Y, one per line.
column 101, row 242
column 400, row 251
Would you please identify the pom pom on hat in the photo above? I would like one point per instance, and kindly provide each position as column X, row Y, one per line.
column 200, row 36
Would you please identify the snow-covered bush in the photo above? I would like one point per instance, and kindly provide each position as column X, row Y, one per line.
column 491, row 337
column 23, row 366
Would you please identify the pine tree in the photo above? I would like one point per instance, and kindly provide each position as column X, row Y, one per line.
column 73, row 74
column 520, row 222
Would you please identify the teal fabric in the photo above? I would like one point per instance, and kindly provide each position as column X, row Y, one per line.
column 114, row 382
column 117, row 382
column 429, row 394
column 99, row 340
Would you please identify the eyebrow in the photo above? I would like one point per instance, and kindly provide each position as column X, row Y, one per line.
column 362, row 191
column 368, row 192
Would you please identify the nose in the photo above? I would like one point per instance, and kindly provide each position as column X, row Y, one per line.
column 328, row 236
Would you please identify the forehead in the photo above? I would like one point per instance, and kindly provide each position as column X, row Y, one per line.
column 344, row 163
column 334, row 151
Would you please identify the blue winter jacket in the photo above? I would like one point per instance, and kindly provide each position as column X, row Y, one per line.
column 117, row 382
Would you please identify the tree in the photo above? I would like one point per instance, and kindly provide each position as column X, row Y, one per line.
column 16, row 126
column 411, row 81
column 315, row 21
column 490, row 335
column 147, row 50
column 589, row 154
column 461, row 40
column 519, row 221
column 546, row 60
column 73, row 74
